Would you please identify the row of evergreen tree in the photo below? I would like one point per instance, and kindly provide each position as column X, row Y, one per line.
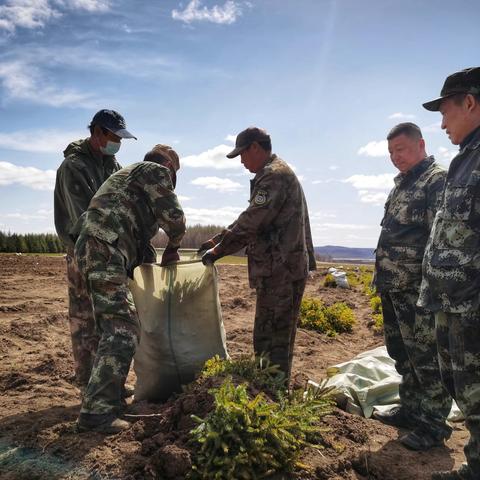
column 50, row 243
column 30, row 243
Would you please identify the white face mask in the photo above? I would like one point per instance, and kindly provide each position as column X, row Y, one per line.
column 111, row 148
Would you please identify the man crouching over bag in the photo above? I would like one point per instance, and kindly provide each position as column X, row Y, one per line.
column 123, row 216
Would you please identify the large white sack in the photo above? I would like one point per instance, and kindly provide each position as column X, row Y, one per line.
column 181, row 324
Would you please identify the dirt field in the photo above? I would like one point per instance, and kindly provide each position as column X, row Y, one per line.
column 39, row 404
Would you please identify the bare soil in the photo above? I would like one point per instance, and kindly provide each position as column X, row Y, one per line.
column 39, row 402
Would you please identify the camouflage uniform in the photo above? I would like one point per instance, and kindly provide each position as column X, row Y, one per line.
column 78, row 178
column 451, row 287
column 123, row 216
column 410, row 330
column 276, row 230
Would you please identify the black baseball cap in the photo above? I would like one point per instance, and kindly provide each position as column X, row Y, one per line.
column 112, row 121
column 464, row 81
column 246, row 138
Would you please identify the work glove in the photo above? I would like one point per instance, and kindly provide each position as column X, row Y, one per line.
column 211, row 256
column 170, row 255
column 206, row 246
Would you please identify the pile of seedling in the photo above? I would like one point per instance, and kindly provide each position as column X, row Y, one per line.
column 256, row 427
column 331, row 320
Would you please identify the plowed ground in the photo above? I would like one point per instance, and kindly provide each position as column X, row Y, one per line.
column 39, row 403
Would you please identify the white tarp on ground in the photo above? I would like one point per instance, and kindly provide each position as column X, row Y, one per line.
column 181, row 324
column 369, row 382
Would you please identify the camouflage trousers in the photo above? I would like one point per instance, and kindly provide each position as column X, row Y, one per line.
column 458, row 337
column 82, row 324
column 276, row 318
column 103, row 267
column 410, row 341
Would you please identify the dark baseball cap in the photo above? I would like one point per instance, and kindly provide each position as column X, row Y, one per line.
column 464, row 81
column 246, row 138
column 112, row 121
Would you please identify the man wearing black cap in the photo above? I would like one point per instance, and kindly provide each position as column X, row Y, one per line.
column 87, row 164
column 275, row 228
column 451, row 266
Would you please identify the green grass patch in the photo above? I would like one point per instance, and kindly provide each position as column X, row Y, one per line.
column 232, row 260
column 329, row 281
column 331, row 320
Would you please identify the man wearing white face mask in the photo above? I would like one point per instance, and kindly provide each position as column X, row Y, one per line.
column 87, row 164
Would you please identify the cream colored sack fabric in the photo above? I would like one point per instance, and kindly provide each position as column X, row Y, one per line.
column 181, row 324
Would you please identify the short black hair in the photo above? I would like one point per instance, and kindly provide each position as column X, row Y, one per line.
column 407, row 128
column 266, row 145
column 460, row 97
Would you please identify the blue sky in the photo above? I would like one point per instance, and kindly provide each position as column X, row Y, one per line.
column 327, row 79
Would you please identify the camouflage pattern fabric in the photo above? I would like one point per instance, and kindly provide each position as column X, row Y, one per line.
column 123, row 216
column 78, row 178
column 451, row 269
column 458, row 338
column 82, row 324
column 275, row 227
column 410, row 341
column 276, row 318
column 129, row 208
column 103, row 267
column 409, row 213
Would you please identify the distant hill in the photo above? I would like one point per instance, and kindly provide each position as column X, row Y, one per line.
column 345, row 253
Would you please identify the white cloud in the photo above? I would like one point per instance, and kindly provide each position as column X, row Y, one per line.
column 26, row 82
column 25, row 216
column 195, row 12
column 333, row 167
column 39, row 141
column 374, row 149
column 211, row 216
column 183, row 198
column 33, row 14
column 230, row 138
column 88, row 5
column 445, row 155
column 383, row 181
column 401, row 116
column 433, row 128
column 30, row 177
column 213, row 158
column 341, row 226
column 216, row 183
column 376, row 198
column 326, row 180
column 372, row 189
column 26, row 14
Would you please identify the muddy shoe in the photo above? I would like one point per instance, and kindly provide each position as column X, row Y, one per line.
column 463, row 473
column 421, row 440
column 396, row 416
column 106, row 423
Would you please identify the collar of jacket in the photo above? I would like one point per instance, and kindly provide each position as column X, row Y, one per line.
column 472, row 140
column 416, row 171
column 262, row 170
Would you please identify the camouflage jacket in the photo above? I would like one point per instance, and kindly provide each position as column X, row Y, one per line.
column 129, row 208
column 275, row 227
column 409, row 213
column 78, row 178
column 451, row 267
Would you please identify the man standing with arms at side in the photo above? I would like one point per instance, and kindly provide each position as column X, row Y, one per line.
column 88, row 163
column 123, row 216
column 275, row 228
column 451, row 267
column 410, row 330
